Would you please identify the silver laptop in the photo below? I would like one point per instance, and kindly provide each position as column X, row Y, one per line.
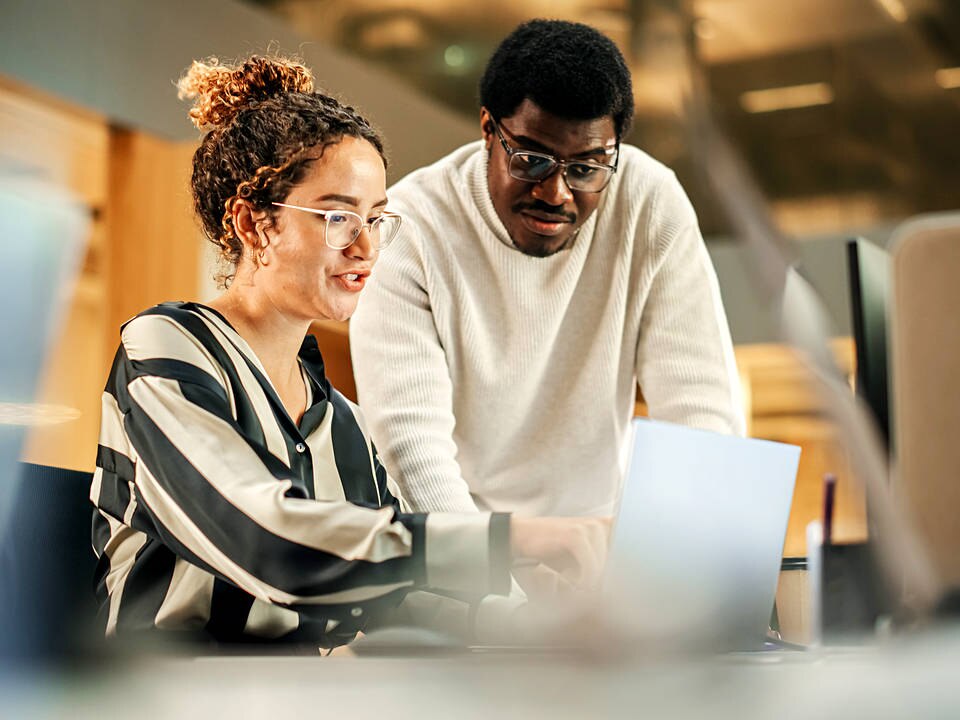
column 695, row 553
column 696, row 549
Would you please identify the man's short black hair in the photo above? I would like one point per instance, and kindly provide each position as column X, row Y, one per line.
column 568, row 69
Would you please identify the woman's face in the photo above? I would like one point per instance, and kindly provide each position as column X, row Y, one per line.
column 301, row 275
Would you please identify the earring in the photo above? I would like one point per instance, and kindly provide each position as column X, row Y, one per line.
column 262, row 257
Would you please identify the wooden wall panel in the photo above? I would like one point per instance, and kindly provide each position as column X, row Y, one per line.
column 785, row 407
column 154, row 243
column 334, row 340
column 59, row 142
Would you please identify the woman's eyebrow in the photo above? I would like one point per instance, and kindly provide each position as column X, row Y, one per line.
column 336, row 197
column 346, row 200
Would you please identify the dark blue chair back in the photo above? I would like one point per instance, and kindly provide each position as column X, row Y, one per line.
column 47, row 603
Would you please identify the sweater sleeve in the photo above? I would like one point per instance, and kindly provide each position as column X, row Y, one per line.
column 685, row 362
column 410, row 412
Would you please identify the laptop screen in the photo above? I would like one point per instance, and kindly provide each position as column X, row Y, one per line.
column 697, row 544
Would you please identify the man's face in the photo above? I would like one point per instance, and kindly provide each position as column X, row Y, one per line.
column 542, row 218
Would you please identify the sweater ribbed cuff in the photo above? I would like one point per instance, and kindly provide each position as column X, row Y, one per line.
column 468, row 552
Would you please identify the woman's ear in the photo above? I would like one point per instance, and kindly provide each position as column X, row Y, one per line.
column 248, row 226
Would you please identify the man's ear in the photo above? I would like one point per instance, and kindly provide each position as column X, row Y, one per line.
column 486, row 128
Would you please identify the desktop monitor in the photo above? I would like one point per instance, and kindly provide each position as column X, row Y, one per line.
column 869, row 270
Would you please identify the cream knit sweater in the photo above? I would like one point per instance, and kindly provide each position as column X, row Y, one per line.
column 500, row 381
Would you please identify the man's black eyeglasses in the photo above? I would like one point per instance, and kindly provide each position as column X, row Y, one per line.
column 530, row 166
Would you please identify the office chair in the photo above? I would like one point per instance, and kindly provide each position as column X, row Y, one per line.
column 47, row 604
column 925, row 335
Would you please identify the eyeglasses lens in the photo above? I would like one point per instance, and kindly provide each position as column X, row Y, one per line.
column 579, row 176
column 532, row 167
column 387, row 229
column 343, row 229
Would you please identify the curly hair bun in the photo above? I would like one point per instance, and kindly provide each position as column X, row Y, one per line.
column 221, row 91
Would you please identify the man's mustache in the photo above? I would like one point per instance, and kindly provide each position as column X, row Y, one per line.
column 544, row 208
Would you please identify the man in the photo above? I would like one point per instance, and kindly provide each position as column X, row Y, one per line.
column 541, row 273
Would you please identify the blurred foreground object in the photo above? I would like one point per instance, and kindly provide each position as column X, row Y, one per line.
column 42, row 229
column 904, row 560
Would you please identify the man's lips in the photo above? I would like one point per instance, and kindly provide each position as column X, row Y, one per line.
column 547, row 216
column 543, row 220
column 542, row 223
column 544, row 212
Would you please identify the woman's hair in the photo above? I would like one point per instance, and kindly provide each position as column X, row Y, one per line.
column 262, row 119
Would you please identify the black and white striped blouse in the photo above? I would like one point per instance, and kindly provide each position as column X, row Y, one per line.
column 217, row 514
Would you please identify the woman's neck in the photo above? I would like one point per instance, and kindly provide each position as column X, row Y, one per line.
column 274, row 337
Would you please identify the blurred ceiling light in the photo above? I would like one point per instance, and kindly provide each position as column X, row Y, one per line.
column 36, row 414
column 454, row 56
column 612, row 21
column 704, row 28
column 948, row 78
column 787, row 98
column 393, row 34
column 895, row 9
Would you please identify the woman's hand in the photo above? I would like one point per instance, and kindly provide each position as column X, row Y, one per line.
column 574, row 547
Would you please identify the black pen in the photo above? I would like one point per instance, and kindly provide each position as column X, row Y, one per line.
column 829, row 490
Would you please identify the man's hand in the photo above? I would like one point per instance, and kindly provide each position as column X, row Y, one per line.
column 574, row 547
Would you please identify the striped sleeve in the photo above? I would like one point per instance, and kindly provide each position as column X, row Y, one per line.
column 223, row 502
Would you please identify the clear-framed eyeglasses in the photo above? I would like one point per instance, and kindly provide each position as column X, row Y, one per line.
column 535, row 167
column 341, row 228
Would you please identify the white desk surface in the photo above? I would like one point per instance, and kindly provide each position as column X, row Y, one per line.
column 905, row 678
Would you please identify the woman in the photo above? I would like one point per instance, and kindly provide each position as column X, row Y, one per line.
column 238, row 496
